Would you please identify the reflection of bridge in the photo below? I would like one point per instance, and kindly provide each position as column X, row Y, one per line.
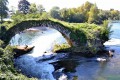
column 65, row 31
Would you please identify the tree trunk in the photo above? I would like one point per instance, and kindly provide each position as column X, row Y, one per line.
column 1, row 19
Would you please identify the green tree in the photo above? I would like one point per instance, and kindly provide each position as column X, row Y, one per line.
column 78, row 18
column 84, row 10
column 3, row 9
column 87, row 6
column 114, row 14
column 93, row 14
column 106, row 32
column 64, row 13
column 55, row 12
column 40, row 9
column 23, row 6
column 70, row 14
column 33, row 8
column 101, row 16
column 74, row 16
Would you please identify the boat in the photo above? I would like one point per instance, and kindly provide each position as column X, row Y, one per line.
column 21, row 50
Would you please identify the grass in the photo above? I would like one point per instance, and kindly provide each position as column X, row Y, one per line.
column 58, row 47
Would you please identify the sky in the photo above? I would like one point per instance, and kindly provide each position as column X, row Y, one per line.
column 48, row 4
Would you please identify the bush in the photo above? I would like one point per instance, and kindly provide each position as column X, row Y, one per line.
column 7, row 70
column 58, row 47
column 1, row 43
column 105, row 32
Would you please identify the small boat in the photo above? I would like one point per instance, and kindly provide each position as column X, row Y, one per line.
column 20, row 50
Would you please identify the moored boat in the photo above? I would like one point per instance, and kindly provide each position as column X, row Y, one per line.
column 20, row 50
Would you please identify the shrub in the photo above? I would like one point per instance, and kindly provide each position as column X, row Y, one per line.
column 58, row 47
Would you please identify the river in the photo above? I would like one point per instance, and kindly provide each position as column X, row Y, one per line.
column 53, row 66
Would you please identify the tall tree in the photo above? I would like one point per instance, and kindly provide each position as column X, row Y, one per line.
column 55, row 12
column 64, row 13
column 40, row 9
column 87, row 6
column 3, row 9
column 114, row 14
column 93, row 14
column 84, row 9
column 23, row 6
column 33, row 8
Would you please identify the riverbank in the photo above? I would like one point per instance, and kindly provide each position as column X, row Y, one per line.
column 83, row 51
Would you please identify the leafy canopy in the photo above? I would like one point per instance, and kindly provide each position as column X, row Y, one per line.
column 3, row 9
column 23, row 6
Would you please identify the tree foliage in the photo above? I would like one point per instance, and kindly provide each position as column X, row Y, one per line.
column 40, row 9
column 33, row 8
column 3, row 9
column 55, row 12
column 87, row 12
column 64, row 13
column 93, row 14
column 106, row 32
column 23, row 6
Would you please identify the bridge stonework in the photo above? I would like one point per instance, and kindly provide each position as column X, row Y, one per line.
column 35, row 23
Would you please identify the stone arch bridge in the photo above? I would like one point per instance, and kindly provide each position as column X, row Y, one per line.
column 65, row 31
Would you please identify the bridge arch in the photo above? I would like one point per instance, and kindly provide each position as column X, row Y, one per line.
column 65, row 31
